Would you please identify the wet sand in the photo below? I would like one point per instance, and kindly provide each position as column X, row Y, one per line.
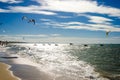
column 26, row 72
column 23, row 71
column 5, row 73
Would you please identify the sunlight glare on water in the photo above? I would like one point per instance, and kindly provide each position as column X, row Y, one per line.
column 58, row 61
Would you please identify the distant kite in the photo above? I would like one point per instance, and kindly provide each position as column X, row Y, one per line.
column 24, row 18
column 31, row 20
column 107, row 33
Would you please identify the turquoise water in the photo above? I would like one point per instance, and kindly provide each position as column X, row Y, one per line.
column 105, row 58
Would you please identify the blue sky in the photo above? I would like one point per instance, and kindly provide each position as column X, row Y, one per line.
column 63, row 21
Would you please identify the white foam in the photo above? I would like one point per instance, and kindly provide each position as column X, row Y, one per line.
column 56, row 60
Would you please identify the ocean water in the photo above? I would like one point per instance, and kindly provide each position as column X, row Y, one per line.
column 73, row 62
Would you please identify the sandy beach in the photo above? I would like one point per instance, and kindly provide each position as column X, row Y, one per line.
column 6, row 74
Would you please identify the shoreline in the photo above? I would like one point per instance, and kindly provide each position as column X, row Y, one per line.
column 21, row 68
column 6, row 73
column 28, row 70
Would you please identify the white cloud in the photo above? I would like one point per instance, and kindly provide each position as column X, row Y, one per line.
column 11, row 1
column 79, row 25
column 45, row 20
column 30, row 9
column 64, row 16
column 3, row 10
column 47, row 7
column 78, row 6
column 99, row 20
column 75, row 6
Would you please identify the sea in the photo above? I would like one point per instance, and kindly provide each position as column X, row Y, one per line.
column 72, row 61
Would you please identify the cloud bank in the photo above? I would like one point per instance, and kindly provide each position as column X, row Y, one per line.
column 73, row 6
column 11, row 1
column 102, row 25
column 53, row 7
column 78, row 6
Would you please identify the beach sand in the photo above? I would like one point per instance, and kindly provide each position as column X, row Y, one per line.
column 5, row 73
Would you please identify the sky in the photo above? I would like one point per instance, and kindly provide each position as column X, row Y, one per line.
column 60, row 21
